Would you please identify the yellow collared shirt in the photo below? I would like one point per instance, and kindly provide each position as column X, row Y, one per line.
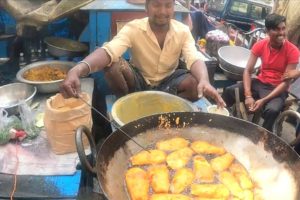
column 153, row 62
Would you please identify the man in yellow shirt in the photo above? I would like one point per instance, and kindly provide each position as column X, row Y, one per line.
column 156, row 44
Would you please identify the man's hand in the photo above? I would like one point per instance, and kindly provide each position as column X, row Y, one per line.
column 249, row 102
column 205, row 88
column 257, row 105
column 71, row 85
column 290, row 75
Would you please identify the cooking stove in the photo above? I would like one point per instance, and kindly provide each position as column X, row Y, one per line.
column 89, row 185
column 87, row 191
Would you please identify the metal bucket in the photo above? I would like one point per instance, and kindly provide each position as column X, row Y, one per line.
column 141, row 104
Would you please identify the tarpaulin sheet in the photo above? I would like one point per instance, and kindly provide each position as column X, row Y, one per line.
column 290, row 9
column 40, row 12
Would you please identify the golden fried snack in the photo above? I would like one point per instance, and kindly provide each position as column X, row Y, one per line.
column 182, row 179
column 137, row 183
column 231, row 183
column 237, row 168
column 148, row 157
column 200, row 198
column 248, row 195
column 222, row 163
column 241, row 175
column 169, row 197
column 210, row 191
column 258, row 194
column 203, row 147
column 244, row 181
column 203, row 170
column 159, row 178
column 179, row 158
column 172, row 144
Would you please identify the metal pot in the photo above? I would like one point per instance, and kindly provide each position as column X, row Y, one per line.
column 234, row 59
column 272, row 163
column 140, row 104
column 60, row 47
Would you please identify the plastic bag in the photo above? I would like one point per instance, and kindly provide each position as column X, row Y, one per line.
column 28, row 120
column 6, row 124
column 62, row 117
column 215, row 40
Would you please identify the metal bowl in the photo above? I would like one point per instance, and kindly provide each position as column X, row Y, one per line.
column 140, row 104
column 231, row 75
column 215, row 110
column 234, row 59
column 11, row 94
column 3, row 61
column 45, row 86
column 60, row 47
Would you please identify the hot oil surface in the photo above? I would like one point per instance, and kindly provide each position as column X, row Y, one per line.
column 274, row 179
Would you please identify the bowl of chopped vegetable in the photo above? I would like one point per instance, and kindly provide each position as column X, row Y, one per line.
column 45, row 75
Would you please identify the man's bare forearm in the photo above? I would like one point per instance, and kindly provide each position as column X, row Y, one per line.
column 199, row 71
column 247, row 83
column 282, row 87
column 96, row 61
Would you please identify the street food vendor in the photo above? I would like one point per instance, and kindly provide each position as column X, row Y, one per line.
column 156, row 44
column 267, row 91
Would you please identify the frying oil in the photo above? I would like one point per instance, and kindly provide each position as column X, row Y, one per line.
column 273, row 180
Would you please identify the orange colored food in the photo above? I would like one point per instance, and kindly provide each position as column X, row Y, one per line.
column 45, row 73
column 180, row 169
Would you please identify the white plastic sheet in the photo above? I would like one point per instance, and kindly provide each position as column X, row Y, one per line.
column 35, row 158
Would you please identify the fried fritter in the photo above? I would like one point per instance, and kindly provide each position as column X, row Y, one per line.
column 159, row 178
column 137, row 182
column 248, row 195
column 182, row 179
column 148, row 157
column 241, row 175
column 210, row 190
column 169, row 197
column 203, row 170
column 222, row 163
column 179, row 158
column 203, row 147
column 231, row 183
column 172, row 144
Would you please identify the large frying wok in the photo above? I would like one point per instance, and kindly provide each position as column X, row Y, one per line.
column 272, row 163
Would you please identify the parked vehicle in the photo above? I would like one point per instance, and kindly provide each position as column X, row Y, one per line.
column 245, row 14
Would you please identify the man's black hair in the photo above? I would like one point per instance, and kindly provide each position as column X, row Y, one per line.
column 273, row 20
column 147, row 1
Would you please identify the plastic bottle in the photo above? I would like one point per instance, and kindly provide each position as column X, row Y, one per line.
column 34, row 56
column 22, row 61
